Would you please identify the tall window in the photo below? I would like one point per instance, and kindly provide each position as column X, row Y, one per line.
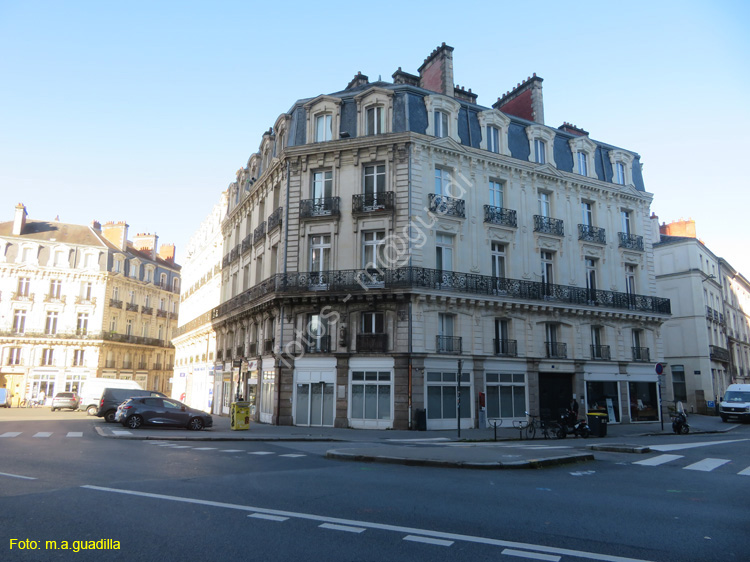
column 591, row 277
column 117, row 265
column 545, row 204
column 373, row 244
column 47, row 356
column 14, row 357
column 373, row 323
column 597, row 352
column 498, row 259
column 55, row 288
column 375, row 122
column 444, row 252
column 113, row 324
column 131, row 297
column 23, row 287
column 317, row 336
column 78, row 358
column 441, row 124
column 129, row 327
column 539, row 148
column 630, row 286
column 371, row 395
column 86, row 289
column 19, row 321
column 320, row 252
column 50, row 326
column 548, row 267
column 445, row 325
column 626, row 226
column 503, row 345
column 587, row 211
column 82, row 324
column 323, row 131
column 59, row 258
column 27, row 255
column 496, row 193
column 582, row 163
column 506, row 395
column 374, row 184
column 678, row 383
column 322, row 185
column 443, row 182
column 116, row 293
column 620, row 173
column 493, row 140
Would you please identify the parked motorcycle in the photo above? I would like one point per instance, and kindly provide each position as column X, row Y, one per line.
column 570, row 425
column 679, row 421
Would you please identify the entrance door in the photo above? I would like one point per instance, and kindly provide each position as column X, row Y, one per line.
column 555, row 392
column 314, row 404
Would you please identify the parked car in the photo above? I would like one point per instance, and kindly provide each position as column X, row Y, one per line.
column 91, row 393
column 141, row 411
column 62, row 400
column 113, row 397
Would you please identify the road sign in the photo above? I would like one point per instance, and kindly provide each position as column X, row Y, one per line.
column 659, row 368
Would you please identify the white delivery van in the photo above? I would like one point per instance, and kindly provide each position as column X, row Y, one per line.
column 736, row 403
column 92, row 392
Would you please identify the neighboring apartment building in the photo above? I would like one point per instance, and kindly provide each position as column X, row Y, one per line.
column 394, row 244
column 707, row 339
column 82, row 301
column 195, row 338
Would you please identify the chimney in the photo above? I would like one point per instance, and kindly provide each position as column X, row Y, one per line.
column 19, row 221
column 401, row 77
column 116, row 233
column 166, row 252
column 96, row 226
column 573, row 130
column 681, row 227
column 358, row 80
column 524, row 101
column 146, row 243
column 436, row 72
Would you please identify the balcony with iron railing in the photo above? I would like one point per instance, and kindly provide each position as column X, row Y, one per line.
column 630, row 241
column 234, row 253
column 373, row 202
column 600, row 352
column 447, row 206
column 240, row 351
column 147, row 310
column 448, row 344
column 219, row 355
column 24, row 297
column 54, row 298
column 127, row 364
column 548, row 225
column 161, row 313
column 321, row 207
column 268, row 346
column 142, row 366
column 642, row 354
column 500, row 216
column 247, row 243
column 157, row 366
column 505, row 348
column 252, row 349
column 115, row 303
column 259, row 233
column 85, row 300
column 225, row 261
column 717, row 353
column 317, row 344
column 589, row 233
column 372, row 343
column 132, row 307
column 274, row 219
column 109, row 364
column 556, row 350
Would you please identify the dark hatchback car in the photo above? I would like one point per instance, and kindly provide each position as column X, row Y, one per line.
column 138, row 412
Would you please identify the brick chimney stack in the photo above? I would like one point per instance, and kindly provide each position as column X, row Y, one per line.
column 166, row 252
column 358, row 80
column 116, row 233
column 96, row 226
column 436, row 73
column 524, row 101
column 146, row 243
column 19, row 221
column 679, row 228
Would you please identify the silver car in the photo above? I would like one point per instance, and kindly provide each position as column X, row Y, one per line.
column 68, row 400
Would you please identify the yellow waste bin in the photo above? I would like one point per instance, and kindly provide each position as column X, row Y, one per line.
column 239, row 415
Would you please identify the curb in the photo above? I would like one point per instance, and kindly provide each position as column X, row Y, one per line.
column 621, row 448
column 104, row 433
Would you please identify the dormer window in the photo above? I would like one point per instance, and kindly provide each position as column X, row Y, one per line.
column 323, row 130
column 539, row 151
column 442, row 116
column 622, row 163
column 620, row 173
column 541, row 142
column 374, row 112
column 582, row 162
column 494, row 126
column 374, row 124
column 441, row 124
column 493, row 139
column 584, row 150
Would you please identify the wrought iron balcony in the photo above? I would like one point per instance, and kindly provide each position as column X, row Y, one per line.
column 548, row 225
column 252, row 349
column 322, row 207
column 157, row 366
column 718, row 353
column 240, row 351
column 274, row 219
column 234, row 254
column 131, row 307
column 225, row 261
column 500, row 215
column 85, row 300
column 147, row 310
column 115, row 303
column 109, row 364
column 53, row 298
column 127, row 364
column 448, row 344
column 630, row 241
column 589, row 233
column 268, row 345
column 320, row 344
column 161, row 313
column 142, row 366
column 556, row 349
column 21, row 297
column 247, row 243
column 447, row 206
column 709, row 312
column 373, row 202
column 372, row 343
column 259, row 233
column 600, row 352
column 505, row 348
column 220, row 355
column 641, row 354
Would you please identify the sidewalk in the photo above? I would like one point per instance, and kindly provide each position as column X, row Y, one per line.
column 476, row 448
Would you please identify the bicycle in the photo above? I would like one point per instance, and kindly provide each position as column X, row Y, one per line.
column 534, row 423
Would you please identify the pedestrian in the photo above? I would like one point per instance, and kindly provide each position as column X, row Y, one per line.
column 41, row 398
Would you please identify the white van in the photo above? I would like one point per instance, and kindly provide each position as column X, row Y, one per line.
column 736, row 403
column 92, row 392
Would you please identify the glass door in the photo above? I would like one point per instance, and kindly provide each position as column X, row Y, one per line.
column 314, row 404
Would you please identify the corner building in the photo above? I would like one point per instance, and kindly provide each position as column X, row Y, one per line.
column 388, row 234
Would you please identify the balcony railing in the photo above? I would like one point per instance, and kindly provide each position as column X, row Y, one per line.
column 500, row 215
column 131, row 307
column 115, row 303
column 259, row 233
column 719, row 353
column 21, row 297
column 219, row 355
column 320, row 344
column 641, row 354
column 234, row 253
column 268, row 345
column 240, row 351
column 447, row 206
column 505, row 348
column 448, row 344
column 161, row 313
column 127, row 364
column 54, row 298
column 372, row 343
column 589, row 233
column 372, row 202
column 630, row 241
column 548, row 225
column 142, row 366
column 85, row 300
column 600, row 352
column 556, row 349
column 322, row 207
column 419, row 278
column 247, row 243
column 157, row 366
column 147, row 310
column 109, row 364
column 274, row 219
column 252, row 349
column 225, row 261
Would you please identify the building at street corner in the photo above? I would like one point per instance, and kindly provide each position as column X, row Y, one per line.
column 707, row 339
column 196, row 371
column 394, row 243
column 83, row 301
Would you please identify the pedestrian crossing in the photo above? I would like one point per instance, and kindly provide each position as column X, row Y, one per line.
column 171, row 446
column 40, row 434
column 708, row 464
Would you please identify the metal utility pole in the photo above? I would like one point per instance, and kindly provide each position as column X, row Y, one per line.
column 458, row 397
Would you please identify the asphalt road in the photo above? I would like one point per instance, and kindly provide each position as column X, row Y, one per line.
column 61, row 481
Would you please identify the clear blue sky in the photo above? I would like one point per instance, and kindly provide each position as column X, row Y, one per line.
column 144, row 111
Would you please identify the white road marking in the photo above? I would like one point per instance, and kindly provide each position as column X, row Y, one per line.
column 745, row 472
column 661, row 459
column 10, row 434
column 181, row 447
column 17, row 476
column 120, row 432
column 292, row 455
column 532, row 555
column 426, row 540
column 370, row 525
column 231, row 451
column 347, row 528
column 679, row 447
column 267, row 517
column 75, row 434
column 205, row 448
column 43, row 434
column 420, row 440
column 260, row 453
column 707, row 465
